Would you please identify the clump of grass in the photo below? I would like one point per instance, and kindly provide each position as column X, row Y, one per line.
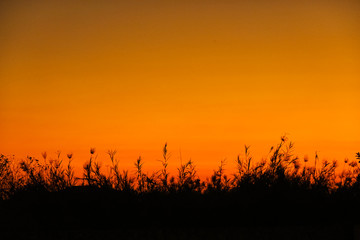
column 219, row 181
column 247, row 171
column 34, row 173
column 243, row 165
column 326, row 175
column 71, row 180
column 140, row 176
column 118, row 180
column 8, row 178
column 164, row 173
column 93, row 174
column 45, row 175
column 89, row 169
column 187, row 180
column 56, row 175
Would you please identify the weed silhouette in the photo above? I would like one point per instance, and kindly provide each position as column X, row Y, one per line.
column 278, row 190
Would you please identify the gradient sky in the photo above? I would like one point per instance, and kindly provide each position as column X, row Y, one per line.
column 205, row 76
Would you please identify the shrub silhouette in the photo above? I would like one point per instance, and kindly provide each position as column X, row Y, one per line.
column 8, row 178
column 281, row 169
column 278, row 189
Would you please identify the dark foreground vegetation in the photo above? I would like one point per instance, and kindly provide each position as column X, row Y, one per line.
column 281, row 197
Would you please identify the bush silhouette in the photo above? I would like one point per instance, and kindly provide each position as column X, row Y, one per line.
column 280, row 170
column 279, row 189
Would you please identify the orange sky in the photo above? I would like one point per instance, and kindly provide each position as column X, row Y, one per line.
column 205, row 76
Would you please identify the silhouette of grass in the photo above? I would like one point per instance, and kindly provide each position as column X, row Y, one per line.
column 280, row 166
column 276, row 190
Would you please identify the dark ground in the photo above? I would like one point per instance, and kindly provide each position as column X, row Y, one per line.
column 85, row 213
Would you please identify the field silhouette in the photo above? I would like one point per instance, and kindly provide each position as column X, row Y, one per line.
column 281, row 197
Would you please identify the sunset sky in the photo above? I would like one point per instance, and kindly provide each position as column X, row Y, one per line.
column 205, row 76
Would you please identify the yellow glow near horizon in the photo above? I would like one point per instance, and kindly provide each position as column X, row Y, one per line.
column 205, row 76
